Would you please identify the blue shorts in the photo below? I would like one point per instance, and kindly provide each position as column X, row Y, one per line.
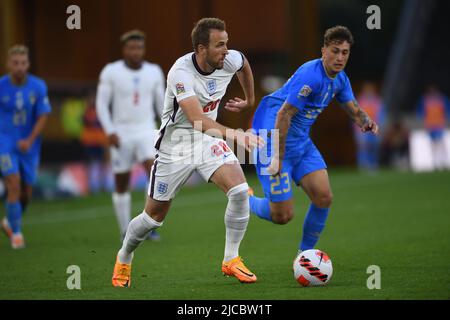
column 14, row 162
column 296, row 164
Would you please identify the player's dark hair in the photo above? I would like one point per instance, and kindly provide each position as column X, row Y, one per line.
column 132, row 35
column 200, row 33
column 337, row 34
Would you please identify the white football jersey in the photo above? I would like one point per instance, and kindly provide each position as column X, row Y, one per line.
column 127, row 99
column 186, row 79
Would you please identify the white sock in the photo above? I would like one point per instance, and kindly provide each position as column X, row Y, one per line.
column 137, row 231
column 122, row 207
column 236, row 220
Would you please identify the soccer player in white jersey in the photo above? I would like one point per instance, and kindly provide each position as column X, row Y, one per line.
column 195, row 85
column 130, row 97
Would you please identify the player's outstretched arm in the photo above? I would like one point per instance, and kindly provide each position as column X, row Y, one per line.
column 245, row 77
column 282, row 125
column 193, row 111
column 360, row 117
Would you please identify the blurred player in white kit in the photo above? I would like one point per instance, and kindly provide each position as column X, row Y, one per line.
column 130, row 97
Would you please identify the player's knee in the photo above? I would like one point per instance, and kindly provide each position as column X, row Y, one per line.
column 13, row 188
column 156, row 210
column 238, row 205
column 324, row 200
column 121, row 188
column 282, row 216
column 239, row 192
column 284, row 219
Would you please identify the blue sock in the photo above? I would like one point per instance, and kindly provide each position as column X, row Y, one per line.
column 14, row 215
column 260, row 207
column 313, row 226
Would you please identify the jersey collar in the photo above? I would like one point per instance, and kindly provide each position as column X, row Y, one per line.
column 326, row 73
column 18, row 85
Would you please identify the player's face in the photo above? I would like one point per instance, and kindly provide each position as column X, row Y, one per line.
column 134, row 51
column 335, row 56
column 18, row 65
column 217, row 48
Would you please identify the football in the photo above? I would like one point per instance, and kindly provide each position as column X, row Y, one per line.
column 313, row 268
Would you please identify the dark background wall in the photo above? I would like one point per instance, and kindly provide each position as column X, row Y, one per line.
column 277, row 36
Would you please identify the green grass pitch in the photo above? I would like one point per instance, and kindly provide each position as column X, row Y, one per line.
column 397, row 221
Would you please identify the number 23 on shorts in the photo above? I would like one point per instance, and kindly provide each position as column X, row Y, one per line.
column 280, row 184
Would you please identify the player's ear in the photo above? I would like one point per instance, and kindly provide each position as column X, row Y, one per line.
column 201, row 49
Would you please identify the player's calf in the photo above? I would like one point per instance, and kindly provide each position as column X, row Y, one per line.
column 137, row 232
column 281, row 212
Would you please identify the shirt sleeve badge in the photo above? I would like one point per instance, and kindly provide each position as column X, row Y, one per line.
column 180, row 88
column 305, row 91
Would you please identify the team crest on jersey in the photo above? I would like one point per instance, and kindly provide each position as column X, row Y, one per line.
column 162, row 187
column 32, row 97
column 180, row 88
column 305, row 91
column 211, row 86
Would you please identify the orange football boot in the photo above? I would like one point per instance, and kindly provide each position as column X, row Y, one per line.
column 121, row 275
column 236, row 268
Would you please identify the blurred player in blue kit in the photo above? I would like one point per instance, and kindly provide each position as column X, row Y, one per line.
column 368, row 145
column 292, row 157
column 24, row 108
column 434, row 111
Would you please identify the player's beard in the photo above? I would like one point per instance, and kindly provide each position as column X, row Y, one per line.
column 135, row 63
column 215, row 65
column 19, row 77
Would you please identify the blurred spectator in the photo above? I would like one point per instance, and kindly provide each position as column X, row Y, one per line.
column 368, row 145
column 434, row 111
column 94, row 142
column 395, row 146
column 72, row 111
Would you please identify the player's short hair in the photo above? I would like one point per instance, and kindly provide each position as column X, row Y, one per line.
column 18, row 49
column 132, row 35
column 337, row 34
column 200, row 33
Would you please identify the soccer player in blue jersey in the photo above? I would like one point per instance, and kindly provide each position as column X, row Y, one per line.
column 24, row 109
column 293, row 158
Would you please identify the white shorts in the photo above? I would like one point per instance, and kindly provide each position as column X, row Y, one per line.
column 169, row 173
column 136, row 148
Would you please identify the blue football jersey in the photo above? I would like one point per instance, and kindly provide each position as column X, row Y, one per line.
column 20, row 107
column 310, row 90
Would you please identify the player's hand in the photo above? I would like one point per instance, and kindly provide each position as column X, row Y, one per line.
column 370, row 126
column 24, row 145
column 275, row 166
column 248, row 140
column 236, row 104
column 113, row 140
